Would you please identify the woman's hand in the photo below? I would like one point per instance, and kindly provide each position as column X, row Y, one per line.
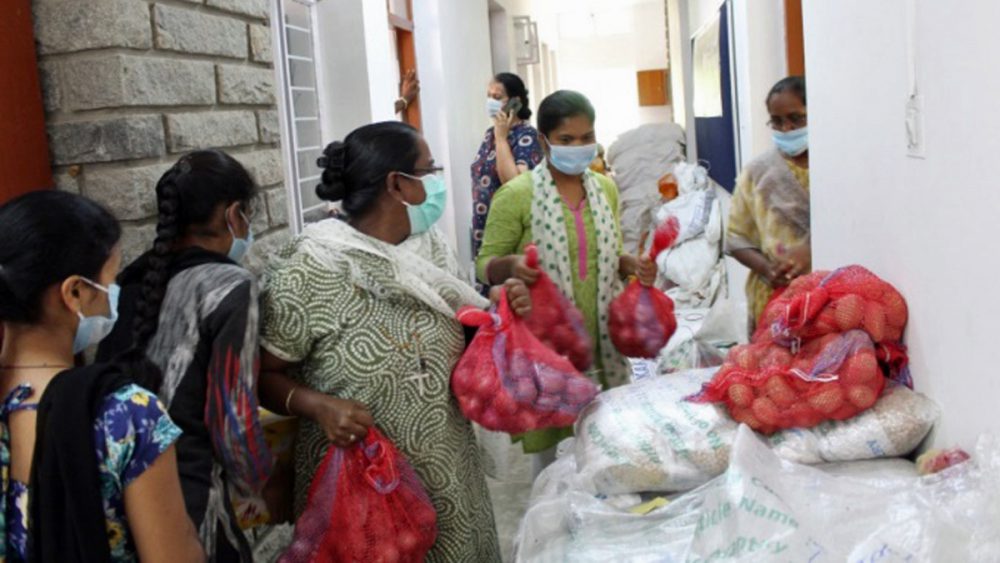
column 776, row 273
column 410, row 87
column 502, row 122
column 644, row 268
column 343, row 421
column 646, row 271
column 518, row 297
column 523, row 272
column 795, row 261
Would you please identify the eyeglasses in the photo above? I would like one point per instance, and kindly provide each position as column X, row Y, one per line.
column 793, row 121
column 428, row 170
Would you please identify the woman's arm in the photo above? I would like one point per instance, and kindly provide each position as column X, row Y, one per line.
column 507, row 167
column 157, row 518
column 343, row 421
column 502, row 236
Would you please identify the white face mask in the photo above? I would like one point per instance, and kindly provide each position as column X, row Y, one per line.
column 493, row 107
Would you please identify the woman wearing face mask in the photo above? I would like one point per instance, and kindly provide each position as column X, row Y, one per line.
column 572, row 214
column 359, row 329
column 88, row 467
column 190, row 308
column 510, row 147
column 768, row 229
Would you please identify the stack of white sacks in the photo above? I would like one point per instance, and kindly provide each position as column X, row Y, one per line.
column 836, row 492
column 693, row 267
column 638, row 159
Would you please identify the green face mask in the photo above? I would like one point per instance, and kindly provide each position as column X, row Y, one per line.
column 426, row 214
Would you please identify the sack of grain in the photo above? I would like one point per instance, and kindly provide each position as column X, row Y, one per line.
column 645, row 438
column 894, row 427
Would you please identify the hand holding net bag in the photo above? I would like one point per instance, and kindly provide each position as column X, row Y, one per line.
column 555, row 320
column 508, row 381
column 641, row 319
column 365, row 504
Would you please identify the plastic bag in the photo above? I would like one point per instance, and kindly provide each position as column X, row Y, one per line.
column 894, row 427
column 766, row 387
column 508, row 381
column 645, row 438
column 766, row 509
column 850, row 298
column 555, row 320
column 365, row 504
column 703, row 337
column 641, row 319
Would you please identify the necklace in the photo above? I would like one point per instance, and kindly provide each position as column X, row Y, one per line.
column 39, row 366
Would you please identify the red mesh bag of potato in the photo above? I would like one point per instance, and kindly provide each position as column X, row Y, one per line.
column 641, row 319
column 851, row 298
column 768, row 388
column 555, row 320
column 365, row 504
column 508, row 381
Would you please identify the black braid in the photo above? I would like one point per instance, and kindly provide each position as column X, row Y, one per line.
column 154, row 283
column 187, row 196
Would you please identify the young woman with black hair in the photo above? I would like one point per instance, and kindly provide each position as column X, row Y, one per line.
column 768, row 229
column 191, row 309
column 88, row 467
column 509, row 148
column 572, row 214
column 359, row 329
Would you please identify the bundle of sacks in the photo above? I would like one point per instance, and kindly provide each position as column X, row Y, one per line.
column 817, row 389
column 645, row 437
column 639, row 158
column 767, row 509
column 815, row 354
column 693, row 270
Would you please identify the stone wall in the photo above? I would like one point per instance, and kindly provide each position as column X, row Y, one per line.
column 131, row 85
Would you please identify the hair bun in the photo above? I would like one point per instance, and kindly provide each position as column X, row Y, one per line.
column 334, row 163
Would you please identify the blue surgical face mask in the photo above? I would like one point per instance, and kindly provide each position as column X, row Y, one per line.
column 92, row 330
column 792, row 143
column 238, row 250
column 493, row 107
column 572, row 159
column 426, row 214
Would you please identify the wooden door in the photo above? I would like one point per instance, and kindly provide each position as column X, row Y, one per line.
column 24, row 149
column 795, row 38
column 401, row 26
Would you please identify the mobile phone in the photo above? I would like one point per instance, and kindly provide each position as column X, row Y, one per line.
column 513, row 106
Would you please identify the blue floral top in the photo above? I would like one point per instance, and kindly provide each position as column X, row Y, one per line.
column 132, row 430
column 523, row 141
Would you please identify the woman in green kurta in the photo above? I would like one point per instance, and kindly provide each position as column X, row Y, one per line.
column 571, row 213
column 358, row 329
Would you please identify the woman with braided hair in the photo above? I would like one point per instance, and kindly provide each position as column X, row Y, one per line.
column 191, row 309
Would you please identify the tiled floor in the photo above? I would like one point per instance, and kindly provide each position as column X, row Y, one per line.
column 510, row 491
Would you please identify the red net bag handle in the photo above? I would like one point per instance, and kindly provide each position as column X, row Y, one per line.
column 665, row 236
column 380, row 472
column 531, row 256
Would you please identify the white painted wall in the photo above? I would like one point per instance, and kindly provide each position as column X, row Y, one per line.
column 455, row 64
column 927, row 226
column 341, row 51
column 761, row 60
column 600, row 57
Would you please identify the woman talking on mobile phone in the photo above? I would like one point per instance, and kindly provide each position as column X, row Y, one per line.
column 509, row 148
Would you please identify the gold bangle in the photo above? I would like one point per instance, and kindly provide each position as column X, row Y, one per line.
column 288, row 401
